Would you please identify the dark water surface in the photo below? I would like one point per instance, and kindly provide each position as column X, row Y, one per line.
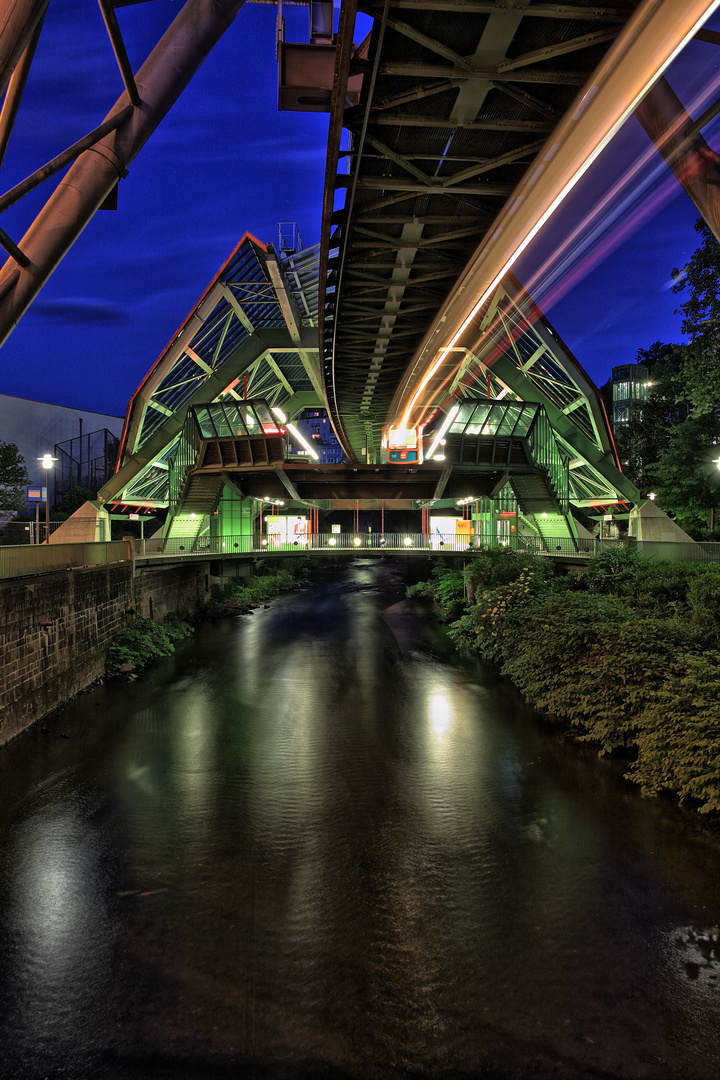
column 310, row 846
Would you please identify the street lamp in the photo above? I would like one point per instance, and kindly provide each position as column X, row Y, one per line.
column 47, row 463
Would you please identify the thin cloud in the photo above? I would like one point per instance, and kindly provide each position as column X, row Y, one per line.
column 74, row 309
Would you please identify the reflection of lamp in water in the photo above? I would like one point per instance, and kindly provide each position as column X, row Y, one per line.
column 440, row 714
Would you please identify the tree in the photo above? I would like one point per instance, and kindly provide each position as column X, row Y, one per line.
column 14, row 478
column 687, row 476
column 701, row 321
column 647, row 434
column 72, row 500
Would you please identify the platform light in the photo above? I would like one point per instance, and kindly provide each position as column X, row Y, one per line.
column 332, row 542
column 443, row 428
column 407, row 541
column 357, row 541
column 295, row 433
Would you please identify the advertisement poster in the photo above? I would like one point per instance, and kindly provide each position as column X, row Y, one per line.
column 451, row 531
column 286, row 531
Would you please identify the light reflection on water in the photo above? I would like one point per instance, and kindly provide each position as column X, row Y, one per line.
column 313, row 842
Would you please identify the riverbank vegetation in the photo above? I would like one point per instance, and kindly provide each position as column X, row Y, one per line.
column 142, row 641
column 270, row 578
column 625, row 654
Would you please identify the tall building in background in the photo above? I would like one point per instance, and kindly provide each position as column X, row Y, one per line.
column 317, row 429
column 630, row 388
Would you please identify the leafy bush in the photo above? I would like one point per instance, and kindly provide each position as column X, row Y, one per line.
column 501, row 566
column 626, row 656
column 617, row 570
column 245, row 592
column 679, row 735
column 144, row 640
column 446, row 587
column 484, row 626
column 704, row 602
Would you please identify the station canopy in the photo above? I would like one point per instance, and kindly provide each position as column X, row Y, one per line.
column 252, row 334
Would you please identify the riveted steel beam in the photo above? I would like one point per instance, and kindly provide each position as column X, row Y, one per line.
column 490, row 7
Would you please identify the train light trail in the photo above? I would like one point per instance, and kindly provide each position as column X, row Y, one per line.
column 650, row 41
column 295, row 433
column 443, row 428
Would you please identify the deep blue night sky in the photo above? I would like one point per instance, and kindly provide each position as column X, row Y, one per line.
column 224, row 161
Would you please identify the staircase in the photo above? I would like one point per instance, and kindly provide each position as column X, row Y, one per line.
column 199, row 498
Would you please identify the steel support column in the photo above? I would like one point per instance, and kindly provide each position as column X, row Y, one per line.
column 695, row 165
column 18, row 21
column 161, row 79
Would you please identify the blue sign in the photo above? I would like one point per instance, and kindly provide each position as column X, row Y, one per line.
column 37, row 494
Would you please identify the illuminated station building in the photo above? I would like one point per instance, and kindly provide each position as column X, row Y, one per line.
column 229, row 440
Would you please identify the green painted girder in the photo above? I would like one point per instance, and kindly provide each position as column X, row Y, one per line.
column 511, row 322
column 157, row 445
column 600, row 459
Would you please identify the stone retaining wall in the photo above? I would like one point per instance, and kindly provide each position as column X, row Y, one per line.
column 55, row 629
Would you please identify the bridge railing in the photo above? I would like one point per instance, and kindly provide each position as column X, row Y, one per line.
column 27, row 560
column 559, row 547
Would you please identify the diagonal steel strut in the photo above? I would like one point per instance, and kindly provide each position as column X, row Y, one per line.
column 164, row 75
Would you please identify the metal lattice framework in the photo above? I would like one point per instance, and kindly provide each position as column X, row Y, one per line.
column 251, row 334
column 520, row 356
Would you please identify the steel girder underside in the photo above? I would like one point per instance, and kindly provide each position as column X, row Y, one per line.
column 457, row 100
column 462, row 104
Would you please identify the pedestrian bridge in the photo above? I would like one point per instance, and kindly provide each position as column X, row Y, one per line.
column 32, row 560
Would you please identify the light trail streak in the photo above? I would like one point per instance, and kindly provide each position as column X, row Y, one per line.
column 617, row 216
column 653, row 37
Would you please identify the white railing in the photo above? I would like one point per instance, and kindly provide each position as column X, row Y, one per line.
column 450, row 544
column 27, row 560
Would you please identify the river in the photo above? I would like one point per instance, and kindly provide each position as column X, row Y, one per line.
column 314, row 844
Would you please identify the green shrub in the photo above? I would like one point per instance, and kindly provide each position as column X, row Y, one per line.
column 446, row 587
column 617, row 570
column 626, row 657
column 679, row 734
column 245, row 592
column 144, row 640
column 704, row 603
column 484, row 626
column 501, row 566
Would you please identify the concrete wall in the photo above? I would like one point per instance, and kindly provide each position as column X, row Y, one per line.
column 55, row 629
column 183, row 588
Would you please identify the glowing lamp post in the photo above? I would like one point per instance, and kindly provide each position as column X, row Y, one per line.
column 47, row 461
